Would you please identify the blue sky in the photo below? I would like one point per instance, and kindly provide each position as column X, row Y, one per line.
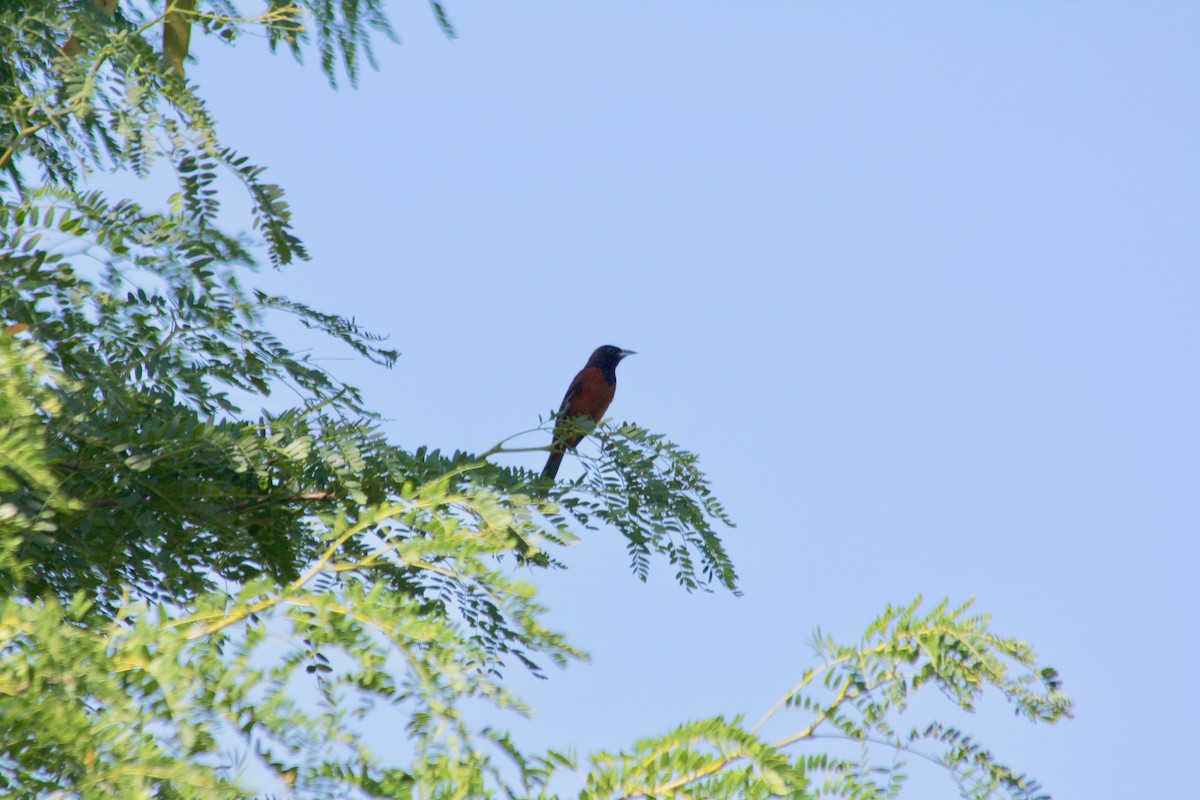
column 917, row 281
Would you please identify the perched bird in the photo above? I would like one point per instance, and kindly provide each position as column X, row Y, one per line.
column 588, row 396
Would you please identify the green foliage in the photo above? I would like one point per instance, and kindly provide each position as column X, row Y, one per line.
column 852, row 696
column 177, row 575
column 144, row 313
column 145, row 702
column 30, row 497
column 654, row 492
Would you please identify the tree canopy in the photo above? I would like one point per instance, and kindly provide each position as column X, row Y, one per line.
column 158, row 542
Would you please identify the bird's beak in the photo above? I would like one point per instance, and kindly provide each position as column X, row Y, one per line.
column 628, row 353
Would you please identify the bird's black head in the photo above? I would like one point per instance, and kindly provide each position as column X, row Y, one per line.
column 607, row 357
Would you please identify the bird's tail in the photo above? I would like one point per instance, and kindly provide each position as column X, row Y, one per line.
column 552, row 464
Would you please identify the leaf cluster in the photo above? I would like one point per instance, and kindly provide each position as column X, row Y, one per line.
column 854, row 696
column 654, row 493
column 144, row 315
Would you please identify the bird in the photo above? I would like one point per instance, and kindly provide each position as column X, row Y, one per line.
column 587, row 396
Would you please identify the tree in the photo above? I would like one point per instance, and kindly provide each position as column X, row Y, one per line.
column 157, row 543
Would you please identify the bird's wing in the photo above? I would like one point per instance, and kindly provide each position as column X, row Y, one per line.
column 572, row 392
column 563, row 424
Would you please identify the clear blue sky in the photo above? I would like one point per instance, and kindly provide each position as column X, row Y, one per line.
column 918, row 281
